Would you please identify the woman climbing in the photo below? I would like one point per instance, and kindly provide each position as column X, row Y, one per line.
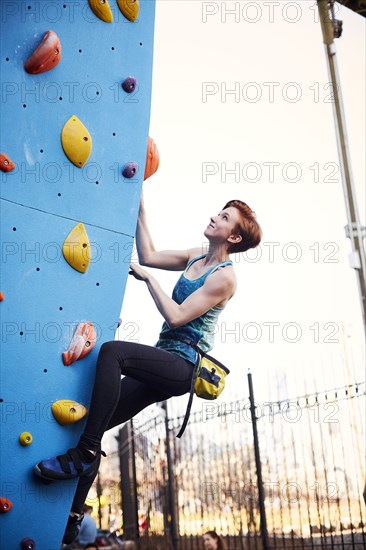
column 153, row 374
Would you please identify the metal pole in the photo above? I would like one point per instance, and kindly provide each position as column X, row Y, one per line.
column 173, row 515
column 262, row 510
column 99, row 494
column 128, row 481
column 134, row 481
column 354, row 230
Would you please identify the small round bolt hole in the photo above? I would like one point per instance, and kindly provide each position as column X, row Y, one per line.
column 44, row 370
column 14, row 228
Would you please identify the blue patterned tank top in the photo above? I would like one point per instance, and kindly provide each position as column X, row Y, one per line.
column 201, row 330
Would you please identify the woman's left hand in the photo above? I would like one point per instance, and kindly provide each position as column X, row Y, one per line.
column 139, row 273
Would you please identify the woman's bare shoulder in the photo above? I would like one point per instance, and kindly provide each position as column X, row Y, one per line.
column 196, row 252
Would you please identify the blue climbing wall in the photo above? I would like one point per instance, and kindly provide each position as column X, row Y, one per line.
column 42, row 200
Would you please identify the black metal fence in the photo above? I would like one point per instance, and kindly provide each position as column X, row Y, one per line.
column 312, row 493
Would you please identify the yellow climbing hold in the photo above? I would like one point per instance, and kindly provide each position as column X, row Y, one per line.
column 102, row 10
column 76, row 141
column 129, row 8
column 25, row 439
column 68, row 412
column 76, row 248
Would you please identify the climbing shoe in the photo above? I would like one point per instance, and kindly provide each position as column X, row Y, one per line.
column 72, row 528
column 67, row 466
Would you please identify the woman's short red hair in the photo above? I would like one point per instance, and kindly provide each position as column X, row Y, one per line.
column 248, row 228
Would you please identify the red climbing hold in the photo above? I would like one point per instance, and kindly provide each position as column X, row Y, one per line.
column 46, row 56
column 5, row 505
column 6, row 165
column 81, row 344
column 152, row 159
column 27, row 544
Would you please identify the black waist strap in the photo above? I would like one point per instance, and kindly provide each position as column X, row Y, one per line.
column 194, row 376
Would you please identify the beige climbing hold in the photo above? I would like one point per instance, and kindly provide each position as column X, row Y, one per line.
column 76, row 248
column 68, row 412
column 129, row 8
column 25, row 439
column 102, row 9
column 76, row 141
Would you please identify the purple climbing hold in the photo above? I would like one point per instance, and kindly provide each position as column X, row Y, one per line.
column 129, row 84
column 119, row 322
column 130, row 170
column 27, row 544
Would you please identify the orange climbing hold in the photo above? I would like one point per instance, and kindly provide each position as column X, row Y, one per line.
column 152, row 159
column 76, row 248
column 46, row 56
column 129, row 8
column 68, row 412
column 5, row 505
column 81, row 344
column 6, row 165
column 1, row 296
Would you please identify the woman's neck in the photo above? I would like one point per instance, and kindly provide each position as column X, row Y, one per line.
column 215, row 255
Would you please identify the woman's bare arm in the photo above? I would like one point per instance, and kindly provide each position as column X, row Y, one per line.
column 174, row 260
column 218, row 287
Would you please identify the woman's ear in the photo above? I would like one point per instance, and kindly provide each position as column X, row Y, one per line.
column 235, row 239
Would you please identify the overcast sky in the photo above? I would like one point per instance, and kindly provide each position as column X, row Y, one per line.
column 270, row 142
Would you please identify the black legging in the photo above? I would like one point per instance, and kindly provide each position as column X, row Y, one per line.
column 151, row 375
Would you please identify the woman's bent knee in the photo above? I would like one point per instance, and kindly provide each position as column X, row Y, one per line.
column 108, row 347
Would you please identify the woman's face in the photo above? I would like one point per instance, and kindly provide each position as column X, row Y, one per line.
column 209, row 543
column 223, row 225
